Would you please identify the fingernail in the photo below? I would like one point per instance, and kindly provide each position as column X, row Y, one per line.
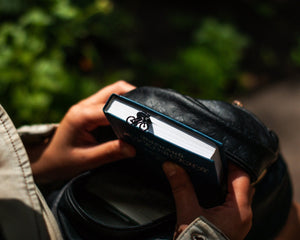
column 169, row 168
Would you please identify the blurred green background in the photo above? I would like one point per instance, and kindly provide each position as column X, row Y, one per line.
column 55, row 52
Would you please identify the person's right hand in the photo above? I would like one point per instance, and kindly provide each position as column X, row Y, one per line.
column 73, row 148
column 233, row 217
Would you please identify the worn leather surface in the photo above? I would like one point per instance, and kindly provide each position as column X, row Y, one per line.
column 247, row 142
column 82, row 215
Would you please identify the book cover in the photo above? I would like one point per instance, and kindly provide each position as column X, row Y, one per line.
column 160, row 138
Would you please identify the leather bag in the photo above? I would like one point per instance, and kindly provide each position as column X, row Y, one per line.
column 247, row 142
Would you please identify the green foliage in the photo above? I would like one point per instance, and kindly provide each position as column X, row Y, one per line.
column 37, row 84
column 295, row 53
column 211, row 62
column 54, row 53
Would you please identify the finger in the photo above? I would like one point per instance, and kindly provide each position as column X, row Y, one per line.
column 102, row 95
column 94, row 117
column 87, row 117
column 239, row 186
column 105, row 153
column 184, row 194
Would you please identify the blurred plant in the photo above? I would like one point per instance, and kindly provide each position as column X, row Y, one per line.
column 44, row 59
column 295, row 53
column 211, row 63
column 56, row 52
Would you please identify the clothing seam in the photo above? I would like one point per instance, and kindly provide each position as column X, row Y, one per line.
column 186, row 231
column 3, row 123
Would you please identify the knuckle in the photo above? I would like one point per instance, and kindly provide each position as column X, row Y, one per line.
column 121, row 83
column 121, row 86
column 77, row 111
column 73, row 112
column 78, row 114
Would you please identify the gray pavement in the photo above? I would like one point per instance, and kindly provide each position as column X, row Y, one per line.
column 278, row 106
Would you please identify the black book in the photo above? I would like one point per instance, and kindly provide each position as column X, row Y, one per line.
column 161, row 138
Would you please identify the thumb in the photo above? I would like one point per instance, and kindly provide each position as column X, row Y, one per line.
column 186, row 201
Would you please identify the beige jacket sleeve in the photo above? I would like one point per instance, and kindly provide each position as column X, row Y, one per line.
column 24, row 213
column 202, row 229
column 35, row 134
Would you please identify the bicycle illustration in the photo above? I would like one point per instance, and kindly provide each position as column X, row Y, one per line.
column 142, row 120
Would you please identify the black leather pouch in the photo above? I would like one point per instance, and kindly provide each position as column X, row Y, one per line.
column 83, row 212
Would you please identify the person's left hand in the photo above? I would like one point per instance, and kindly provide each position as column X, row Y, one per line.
column 73, row 148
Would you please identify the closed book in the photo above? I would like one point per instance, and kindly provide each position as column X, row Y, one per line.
column 160, row 138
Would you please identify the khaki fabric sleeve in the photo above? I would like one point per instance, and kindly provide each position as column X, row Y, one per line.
column 36, row 138
column 37, row 133
column 24, row 213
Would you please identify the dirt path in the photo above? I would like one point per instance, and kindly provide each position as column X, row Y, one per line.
column 278, row 106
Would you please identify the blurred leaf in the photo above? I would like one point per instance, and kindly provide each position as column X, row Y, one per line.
column 295, row 53
column 222, row 40
column 104, row 6
column 36, row 17
column 211, row 63
column 65, row 10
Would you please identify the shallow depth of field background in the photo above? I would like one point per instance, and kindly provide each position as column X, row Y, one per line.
column 55, row 52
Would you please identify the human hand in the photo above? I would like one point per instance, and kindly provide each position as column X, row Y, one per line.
column 233, row 217
column 73, row 149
